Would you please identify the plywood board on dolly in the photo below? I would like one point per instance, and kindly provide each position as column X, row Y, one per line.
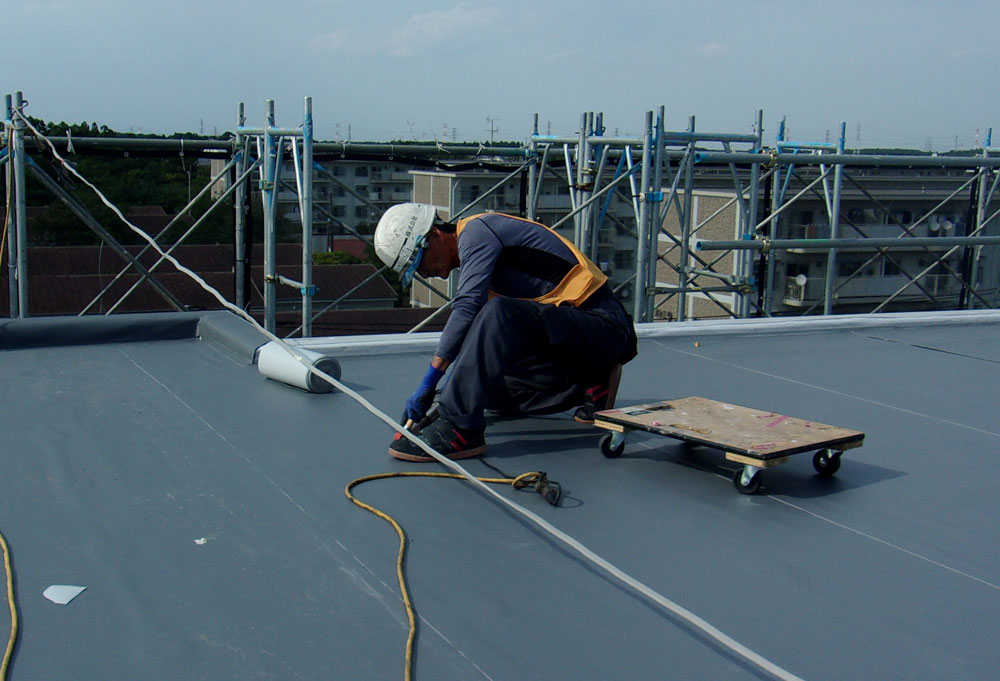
column 755, row 438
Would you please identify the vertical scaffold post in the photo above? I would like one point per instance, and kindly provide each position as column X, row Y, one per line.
column 239, row 213
column 831, row 258
column 653, row 251
column 746, row 266
column 582, row 161
column 21, row 211
column 982, row 201
column 307, row 211
column 269, row 192
column 642, row 257
column 686, row 222
column 771, row 230
column 8, row 227
column 533, row 169
column 601, row 153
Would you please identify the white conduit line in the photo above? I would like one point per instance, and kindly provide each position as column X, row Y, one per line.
column 569, row 541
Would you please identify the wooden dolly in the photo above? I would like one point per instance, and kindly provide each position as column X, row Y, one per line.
column 756, row 439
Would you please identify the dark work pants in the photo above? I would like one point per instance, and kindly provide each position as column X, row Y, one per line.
column 529, row 358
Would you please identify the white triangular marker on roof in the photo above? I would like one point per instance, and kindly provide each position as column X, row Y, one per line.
column 63, row 593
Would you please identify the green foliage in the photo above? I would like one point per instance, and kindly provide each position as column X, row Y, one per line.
column 336, row 258
column 127, row 181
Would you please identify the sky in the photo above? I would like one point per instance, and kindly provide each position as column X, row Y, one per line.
column 915, row 73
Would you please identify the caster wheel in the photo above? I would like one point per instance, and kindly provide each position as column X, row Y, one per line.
column 607, row 450
column 826, row 462
column 750, row 487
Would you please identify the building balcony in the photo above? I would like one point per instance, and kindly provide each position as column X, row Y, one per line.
column 799, row 292
column 402, row 177
column 872, row 231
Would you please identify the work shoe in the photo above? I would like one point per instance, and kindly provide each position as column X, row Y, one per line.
column 445, row 438
column 599, row 397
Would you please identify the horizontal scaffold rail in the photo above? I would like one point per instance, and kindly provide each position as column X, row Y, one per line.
column 830, row 244
column 668, row 138
column 224, row 147
column 869, row 160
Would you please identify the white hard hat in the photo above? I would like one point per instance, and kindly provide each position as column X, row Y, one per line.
column 399, row 237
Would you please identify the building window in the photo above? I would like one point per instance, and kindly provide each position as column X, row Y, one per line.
column 339, row 211
column 624, row 260
column 361, row 171
column 361, row 212
column 361, row 189
column 904, row 217
column 849, row 268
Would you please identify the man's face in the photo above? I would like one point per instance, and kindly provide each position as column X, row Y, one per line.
column 436, row 261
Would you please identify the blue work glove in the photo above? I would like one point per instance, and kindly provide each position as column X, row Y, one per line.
column 421, row 399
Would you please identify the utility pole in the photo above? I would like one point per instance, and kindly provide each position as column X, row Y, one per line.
column 493, row 128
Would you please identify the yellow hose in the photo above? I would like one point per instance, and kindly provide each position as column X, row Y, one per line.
column 518, row 482
column 13, row 609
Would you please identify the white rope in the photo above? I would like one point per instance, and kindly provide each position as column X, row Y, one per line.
column 617, row 573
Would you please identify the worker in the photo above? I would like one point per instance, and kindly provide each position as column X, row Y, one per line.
column 534, row 326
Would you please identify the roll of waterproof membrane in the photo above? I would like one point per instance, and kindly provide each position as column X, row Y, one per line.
column 276, row 363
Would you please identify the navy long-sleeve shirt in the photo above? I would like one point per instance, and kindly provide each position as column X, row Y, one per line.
column 510, row 256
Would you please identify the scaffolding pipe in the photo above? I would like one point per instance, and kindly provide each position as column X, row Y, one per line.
column 532, row 169
column 306, row 211
column 682, row 277
column 90, row 221
column 8, row 228
column 831, row 257
column 223, row 148
column 190, row 230
column 908, row 232
column 135, row 261
column 867, row 243
column 969, row 241
column 746, row 270
column 653, row 251
column 981, row 203
column 537, row 187
column 269, row 196
column 19, row 244
column 644, row 224
column 597, row 195
column 849, row 160
column 507, row 178
column 670, row 138
column 239, row 214
column 342, row 298
column 576, row 188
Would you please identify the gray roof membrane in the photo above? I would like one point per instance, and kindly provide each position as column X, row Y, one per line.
column 202, row 506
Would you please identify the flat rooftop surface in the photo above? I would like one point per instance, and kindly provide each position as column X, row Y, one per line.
column 202, row 506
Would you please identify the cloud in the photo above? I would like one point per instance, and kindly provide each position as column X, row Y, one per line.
column 337, row 40
column 565, row 54
column 420, row 31
column 45, row 7
column 970, row 51
column 713, row 49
